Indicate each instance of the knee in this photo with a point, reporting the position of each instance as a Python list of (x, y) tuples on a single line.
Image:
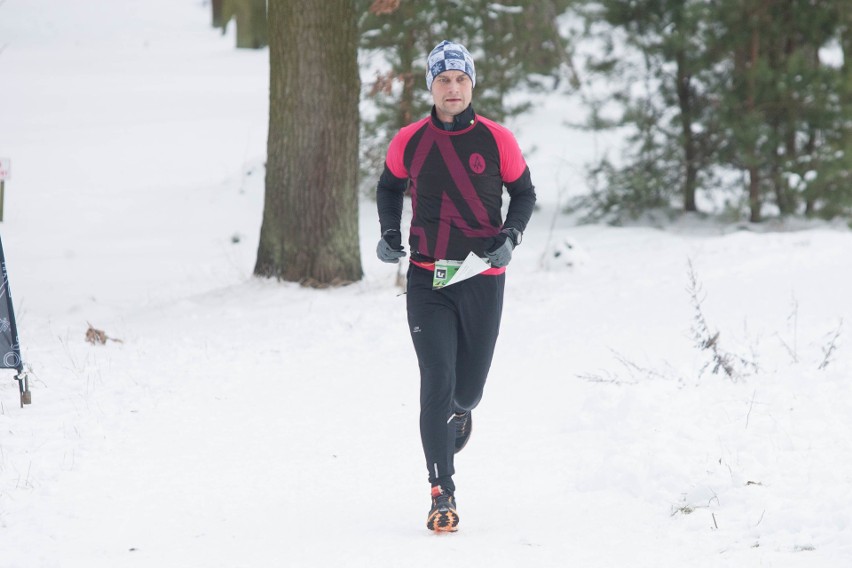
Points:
[(466, 401), (436, 386)]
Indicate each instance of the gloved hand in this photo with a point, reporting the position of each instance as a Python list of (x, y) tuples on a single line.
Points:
[(499, 250), (390, 248)]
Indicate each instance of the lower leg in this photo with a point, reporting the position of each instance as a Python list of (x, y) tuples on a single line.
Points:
[(433, 325)]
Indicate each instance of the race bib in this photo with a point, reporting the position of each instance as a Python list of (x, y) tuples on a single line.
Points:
[(444, 272)]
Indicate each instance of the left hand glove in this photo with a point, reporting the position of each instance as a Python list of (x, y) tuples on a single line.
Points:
[(499, 251), (390, 247)]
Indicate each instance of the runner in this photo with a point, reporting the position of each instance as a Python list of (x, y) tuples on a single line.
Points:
[(456, 164)]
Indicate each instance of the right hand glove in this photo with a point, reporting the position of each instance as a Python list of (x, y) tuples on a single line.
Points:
[(499, 251), (390, 246)]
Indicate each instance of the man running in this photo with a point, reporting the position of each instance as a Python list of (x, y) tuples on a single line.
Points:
[(456, 164)]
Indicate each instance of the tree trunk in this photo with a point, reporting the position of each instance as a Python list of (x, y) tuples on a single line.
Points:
[(753, 151), (754, 194), (218, 21), (406, 102), (252, 26), (684, 96), (251, 20), (310, 218)]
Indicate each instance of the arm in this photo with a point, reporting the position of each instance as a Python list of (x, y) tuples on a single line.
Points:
[(521, 202), (516, 177), (389, 197)]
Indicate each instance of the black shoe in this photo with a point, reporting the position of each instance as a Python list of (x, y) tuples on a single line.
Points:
[(464, 426), (442, 516)]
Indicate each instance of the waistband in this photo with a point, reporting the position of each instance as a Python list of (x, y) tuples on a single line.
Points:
[(431, 267)]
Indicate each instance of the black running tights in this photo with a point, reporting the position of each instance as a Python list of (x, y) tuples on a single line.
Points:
[(454, 330)]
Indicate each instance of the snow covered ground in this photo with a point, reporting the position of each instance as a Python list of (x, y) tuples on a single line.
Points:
[(247, 423)]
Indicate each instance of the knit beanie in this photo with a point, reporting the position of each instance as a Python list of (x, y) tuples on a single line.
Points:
[(448, 55)]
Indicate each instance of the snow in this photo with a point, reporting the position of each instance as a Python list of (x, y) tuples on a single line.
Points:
[(243, 422)]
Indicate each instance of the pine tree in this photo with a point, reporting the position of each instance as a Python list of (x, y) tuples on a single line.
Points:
[(713, 89), (834, 188), (781, 106), (660, 89)]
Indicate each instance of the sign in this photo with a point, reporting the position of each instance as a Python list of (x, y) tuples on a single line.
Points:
[(5, 169)]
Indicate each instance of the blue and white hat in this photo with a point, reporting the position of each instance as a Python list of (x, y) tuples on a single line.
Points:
[(448, 55)]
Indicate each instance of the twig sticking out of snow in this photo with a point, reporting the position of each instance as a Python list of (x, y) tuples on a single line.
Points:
[(708, 340), (829, 349)]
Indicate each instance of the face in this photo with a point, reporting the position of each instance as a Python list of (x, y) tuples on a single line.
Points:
[(452, 91)]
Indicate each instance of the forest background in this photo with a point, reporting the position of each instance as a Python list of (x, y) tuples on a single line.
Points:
[(739, 109)]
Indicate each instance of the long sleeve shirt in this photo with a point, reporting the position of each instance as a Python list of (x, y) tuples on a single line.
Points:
[(456, 174)]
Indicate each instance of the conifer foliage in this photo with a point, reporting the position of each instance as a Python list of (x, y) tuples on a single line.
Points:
[(736, 100)]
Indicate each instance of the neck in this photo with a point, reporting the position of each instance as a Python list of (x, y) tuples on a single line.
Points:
[(454, 122), (444, 117)]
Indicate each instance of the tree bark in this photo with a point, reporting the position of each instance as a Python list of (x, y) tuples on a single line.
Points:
[(252, 25), (217, 14), (251, 21), (310, 220), (690, 157), (752, 151), (754, 194)]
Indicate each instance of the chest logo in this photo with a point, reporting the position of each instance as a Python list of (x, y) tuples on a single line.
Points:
[(476, 163)]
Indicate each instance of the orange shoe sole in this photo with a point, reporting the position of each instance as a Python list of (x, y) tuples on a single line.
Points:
[(443, 521)]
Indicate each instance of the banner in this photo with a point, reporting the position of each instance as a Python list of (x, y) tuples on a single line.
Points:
[(10, 348)]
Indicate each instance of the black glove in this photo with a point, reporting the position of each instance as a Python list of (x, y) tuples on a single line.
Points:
[(390, 246), (499, 250)]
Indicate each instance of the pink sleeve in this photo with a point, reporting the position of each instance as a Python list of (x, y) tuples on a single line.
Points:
[(512, 163), (395, 159)]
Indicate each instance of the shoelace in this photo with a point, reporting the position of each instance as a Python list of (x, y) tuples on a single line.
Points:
[(444, 499)]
